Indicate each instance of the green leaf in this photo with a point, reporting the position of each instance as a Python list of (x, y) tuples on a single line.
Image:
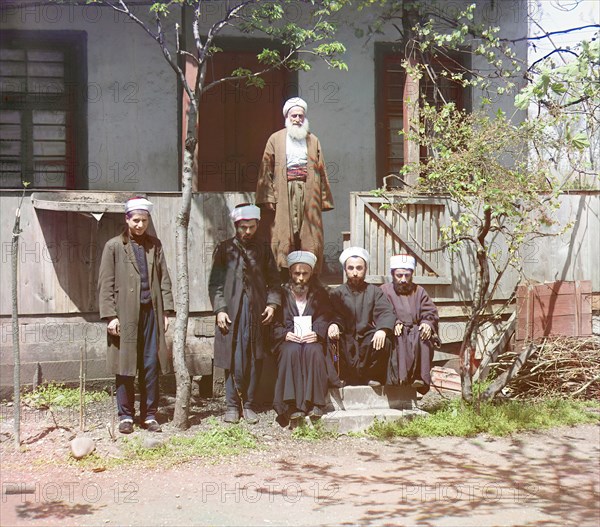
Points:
[(580, 140)]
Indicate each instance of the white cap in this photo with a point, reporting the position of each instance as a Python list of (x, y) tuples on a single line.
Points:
[(354, 251), (294, 101), (304, 257), (402, 261), (245, 212), (138, 203)]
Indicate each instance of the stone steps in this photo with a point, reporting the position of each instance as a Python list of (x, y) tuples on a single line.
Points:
[(355, 408)]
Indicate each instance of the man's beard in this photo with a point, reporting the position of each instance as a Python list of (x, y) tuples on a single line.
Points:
[(299, 289), (404, 289), (297, 132)]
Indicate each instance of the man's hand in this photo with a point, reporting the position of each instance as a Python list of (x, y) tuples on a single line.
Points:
[(333, 332), (267, 315), (269, 206), (309, 338), (378, 340), (166, 320), (114, 327), (425, 331), (398, 329), (223, 321), (290, 336)]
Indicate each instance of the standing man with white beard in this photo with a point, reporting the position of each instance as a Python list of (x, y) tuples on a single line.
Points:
[(293, 183)]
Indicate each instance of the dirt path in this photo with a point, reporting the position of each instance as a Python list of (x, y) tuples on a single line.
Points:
[(548, 478)]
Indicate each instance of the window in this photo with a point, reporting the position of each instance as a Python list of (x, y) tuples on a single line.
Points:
[(43, 138), (390, 104)]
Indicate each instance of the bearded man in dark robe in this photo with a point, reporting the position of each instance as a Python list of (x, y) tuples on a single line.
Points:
[(368, 321), (415, 328), (244, 290), (300, 345)]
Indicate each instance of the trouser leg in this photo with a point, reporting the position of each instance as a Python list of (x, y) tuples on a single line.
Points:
[(148, 363), (125, 396)]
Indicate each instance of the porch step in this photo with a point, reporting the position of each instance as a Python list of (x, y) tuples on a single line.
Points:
[(346, 421), (355, 408), (367, 397)]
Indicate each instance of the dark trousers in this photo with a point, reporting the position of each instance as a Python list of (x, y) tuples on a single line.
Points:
[(147, 359), (241, 380)]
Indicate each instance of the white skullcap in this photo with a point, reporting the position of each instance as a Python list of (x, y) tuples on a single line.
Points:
[(294, 101), (402, 261), (304, 257), (138, 203), (354, 251), (247, 212)]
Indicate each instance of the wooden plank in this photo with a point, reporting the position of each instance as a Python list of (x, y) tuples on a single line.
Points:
[(418, 253)]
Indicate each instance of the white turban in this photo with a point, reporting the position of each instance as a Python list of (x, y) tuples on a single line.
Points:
[(402, 261), (138, 204), (294, 101), (354, 251), (247, 212), (304, 257)]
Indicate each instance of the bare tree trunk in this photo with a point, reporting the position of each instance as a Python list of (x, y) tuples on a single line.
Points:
[(480, 297), (182, 376), (15, 327), (15, 338)]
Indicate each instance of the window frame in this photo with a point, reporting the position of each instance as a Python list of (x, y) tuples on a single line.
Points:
[(74, 46)]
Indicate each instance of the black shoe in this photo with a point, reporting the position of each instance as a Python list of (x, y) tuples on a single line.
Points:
[(126, 426), (250, 416), (232, 415), (152, 425), (316, 413)]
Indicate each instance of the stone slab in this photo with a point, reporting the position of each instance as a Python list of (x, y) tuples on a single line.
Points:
[(346, 421), (367, 397)]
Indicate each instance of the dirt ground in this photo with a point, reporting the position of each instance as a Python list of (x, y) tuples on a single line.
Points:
[(542, 479)]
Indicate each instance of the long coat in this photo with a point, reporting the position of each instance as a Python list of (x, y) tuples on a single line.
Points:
[(228, 278), (119, 285), (272, 188), (411, 358)]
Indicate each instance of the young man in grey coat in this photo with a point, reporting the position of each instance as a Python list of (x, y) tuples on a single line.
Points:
[(134, 296)]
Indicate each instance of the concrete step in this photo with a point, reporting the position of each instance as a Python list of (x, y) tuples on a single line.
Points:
[(372, 398), (346, 421)]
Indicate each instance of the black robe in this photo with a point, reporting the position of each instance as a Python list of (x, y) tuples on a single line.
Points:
[(302, 369), (411, 357), (363, 312), (231, 276)]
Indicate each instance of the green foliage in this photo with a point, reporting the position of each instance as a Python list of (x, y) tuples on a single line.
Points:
[(460, 419), (54, 395), (315, 432), (219, 441)]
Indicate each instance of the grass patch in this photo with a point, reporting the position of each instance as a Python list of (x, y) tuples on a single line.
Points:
[(316, 432), (457, 418), (54, 395), (218, 441)]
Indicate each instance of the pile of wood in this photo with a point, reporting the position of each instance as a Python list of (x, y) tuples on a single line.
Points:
[(558, 367)]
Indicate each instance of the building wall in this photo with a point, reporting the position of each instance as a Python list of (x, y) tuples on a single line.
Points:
[(131, 94)]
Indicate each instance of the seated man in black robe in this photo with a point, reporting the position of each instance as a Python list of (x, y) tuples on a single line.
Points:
[(416, 325), (368, 321), (300, 345)]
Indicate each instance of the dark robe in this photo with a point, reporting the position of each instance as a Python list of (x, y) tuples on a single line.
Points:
[(411, 357), (231, 278), (302, 369), (363, 312)]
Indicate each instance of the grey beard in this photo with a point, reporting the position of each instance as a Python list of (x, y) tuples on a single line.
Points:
[(299, 289), (297, 132)]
